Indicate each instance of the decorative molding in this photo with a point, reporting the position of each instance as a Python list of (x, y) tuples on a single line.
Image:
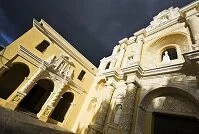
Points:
[(163, 18), (50, 66), (191, 56), (68, 49)]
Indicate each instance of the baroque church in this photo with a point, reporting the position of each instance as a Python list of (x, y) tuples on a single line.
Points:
[(148, 85)]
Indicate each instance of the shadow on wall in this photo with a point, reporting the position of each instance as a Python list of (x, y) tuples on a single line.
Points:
[(12, 122), (177, 101)]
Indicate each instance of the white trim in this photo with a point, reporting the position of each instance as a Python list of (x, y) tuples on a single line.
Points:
[(25, 53), (69, 49)]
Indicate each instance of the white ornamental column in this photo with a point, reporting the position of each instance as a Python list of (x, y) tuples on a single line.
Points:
[(114, 53), (113, 62), (102, 113), (115, 50), (57, 94), (120, 56), (22, 92), (139, 44), (139, 50), (47, 110), (193, 22), (31, 82)]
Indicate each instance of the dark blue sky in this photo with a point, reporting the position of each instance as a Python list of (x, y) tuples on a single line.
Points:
[(92, 26)]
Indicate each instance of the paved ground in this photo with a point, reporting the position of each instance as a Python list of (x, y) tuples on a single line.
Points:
[(12, 122)]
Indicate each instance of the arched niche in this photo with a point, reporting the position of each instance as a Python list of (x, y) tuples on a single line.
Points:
[(165, 102), (37, 96), (100, 85), (154, 50), (169, 54), (62, 107), (11, 78), (92, 105)]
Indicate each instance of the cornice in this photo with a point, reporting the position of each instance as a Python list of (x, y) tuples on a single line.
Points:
[(139, 71), (162, 70), (189, 6), (75, 55), (191, 56), (32, 58), (163, 26)]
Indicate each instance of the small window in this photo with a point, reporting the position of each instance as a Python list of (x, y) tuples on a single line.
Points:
[(170, 53), (42, 46), (108, 65), (81, 75)]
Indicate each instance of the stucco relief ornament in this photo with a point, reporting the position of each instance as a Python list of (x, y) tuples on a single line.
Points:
[(163, 17), (61, 65)]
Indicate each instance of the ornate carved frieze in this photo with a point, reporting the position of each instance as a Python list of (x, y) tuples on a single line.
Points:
[(61, 65), (164, 17)]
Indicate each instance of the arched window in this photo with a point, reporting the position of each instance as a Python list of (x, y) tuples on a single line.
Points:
[(12, 78), (43, 46), (169, 54), (108, 65), (62, 107), (37, 96)]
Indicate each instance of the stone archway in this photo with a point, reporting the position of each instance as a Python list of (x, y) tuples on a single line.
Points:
[(37, 96), (62, 107), (167, 102), (11, 78)]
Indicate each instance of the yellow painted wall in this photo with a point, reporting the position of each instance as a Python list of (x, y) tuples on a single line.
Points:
[(30, 40)]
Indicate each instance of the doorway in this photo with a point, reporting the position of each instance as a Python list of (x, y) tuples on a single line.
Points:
[(174, 124), (37, 96)]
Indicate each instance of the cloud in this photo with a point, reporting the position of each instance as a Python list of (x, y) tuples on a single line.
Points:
[(92, 27), (8, 31)]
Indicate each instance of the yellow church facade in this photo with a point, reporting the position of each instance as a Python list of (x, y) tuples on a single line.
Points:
[(40, 70), (148, 82)]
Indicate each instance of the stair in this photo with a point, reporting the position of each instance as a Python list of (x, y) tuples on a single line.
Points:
[(14, 122)]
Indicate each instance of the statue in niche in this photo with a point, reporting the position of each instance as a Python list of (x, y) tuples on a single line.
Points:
[(166, 58), (117, 114)]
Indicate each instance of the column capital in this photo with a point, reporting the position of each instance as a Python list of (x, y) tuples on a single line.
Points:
[(64, 82), (42, 66), (132, 84)]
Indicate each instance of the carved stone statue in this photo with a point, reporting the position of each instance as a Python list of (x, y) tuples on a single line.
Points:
[(117, 114), (166, 58), (62, 65)]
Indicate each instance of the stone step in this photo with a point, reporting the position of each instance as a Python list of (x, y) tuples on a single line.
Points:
[(15, 122)]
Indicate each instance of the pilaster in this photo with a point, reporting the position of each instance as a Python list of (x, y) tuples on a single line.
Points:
[(98, 125), (121, 52), (127, 95), (193, 22), (55, 96), (23, 91)]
